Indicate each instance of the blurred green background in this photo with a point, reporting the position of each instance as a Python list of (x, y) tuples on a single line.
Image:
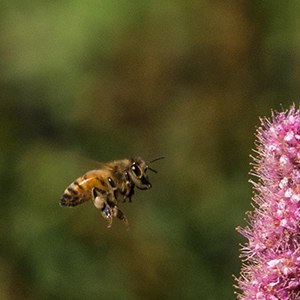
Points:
[(105, 80)]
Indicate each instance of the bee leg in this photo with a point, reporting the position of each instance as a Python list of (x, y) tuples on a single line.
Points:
[(109, 209), (114, 193), (99, 198), (120, 215), (110, 220), (129, 193), (128, 187), (107, 214)]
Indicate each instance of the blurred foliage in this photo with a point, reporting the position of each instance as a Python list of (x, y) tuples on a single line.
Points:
[(105, 80)]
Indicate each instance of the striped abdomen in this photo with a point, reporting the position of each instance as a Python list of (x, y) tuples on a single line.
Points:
[(80, 190)]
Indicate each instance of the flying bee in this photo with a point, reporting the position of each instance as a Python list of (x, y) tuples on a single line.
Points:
[(113, 183)]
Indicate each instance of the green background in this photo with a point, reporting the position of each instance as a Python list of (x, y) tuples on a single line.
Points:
[(104, 80)]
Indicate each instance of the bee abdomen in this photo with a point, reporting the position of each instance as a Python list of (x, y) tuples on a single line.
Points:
[(73, 195), (68, 200)]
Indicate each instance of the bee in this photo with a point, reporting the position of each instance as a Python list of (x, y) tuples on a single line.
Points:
[(113, 183)]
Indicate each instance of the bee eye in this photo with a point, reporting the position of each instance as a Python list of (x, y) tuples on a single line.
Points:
[(111, 182), (136, 170), (126, 176)]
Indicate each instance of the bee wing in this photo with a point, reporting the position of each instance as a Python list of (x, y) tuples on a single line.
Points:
[(89, 162)]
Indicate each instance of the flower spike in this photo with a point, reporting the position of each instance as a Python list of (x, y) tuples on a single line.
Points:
[(271, 255)]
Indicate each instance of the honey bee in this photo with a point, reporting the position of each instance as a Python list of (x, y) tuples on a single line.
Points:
[(113, 183)]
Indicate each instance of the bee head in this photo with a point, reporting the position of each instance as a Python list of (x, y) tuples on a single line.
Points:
[(138, 173)]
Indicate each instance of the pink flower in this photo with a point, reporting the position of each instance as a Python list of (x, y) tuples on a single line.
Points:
[(271, 255)]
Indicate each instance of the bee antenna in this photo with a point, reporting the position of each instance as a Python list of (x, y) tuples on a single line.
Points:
[(155, 159), (154, 171)]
